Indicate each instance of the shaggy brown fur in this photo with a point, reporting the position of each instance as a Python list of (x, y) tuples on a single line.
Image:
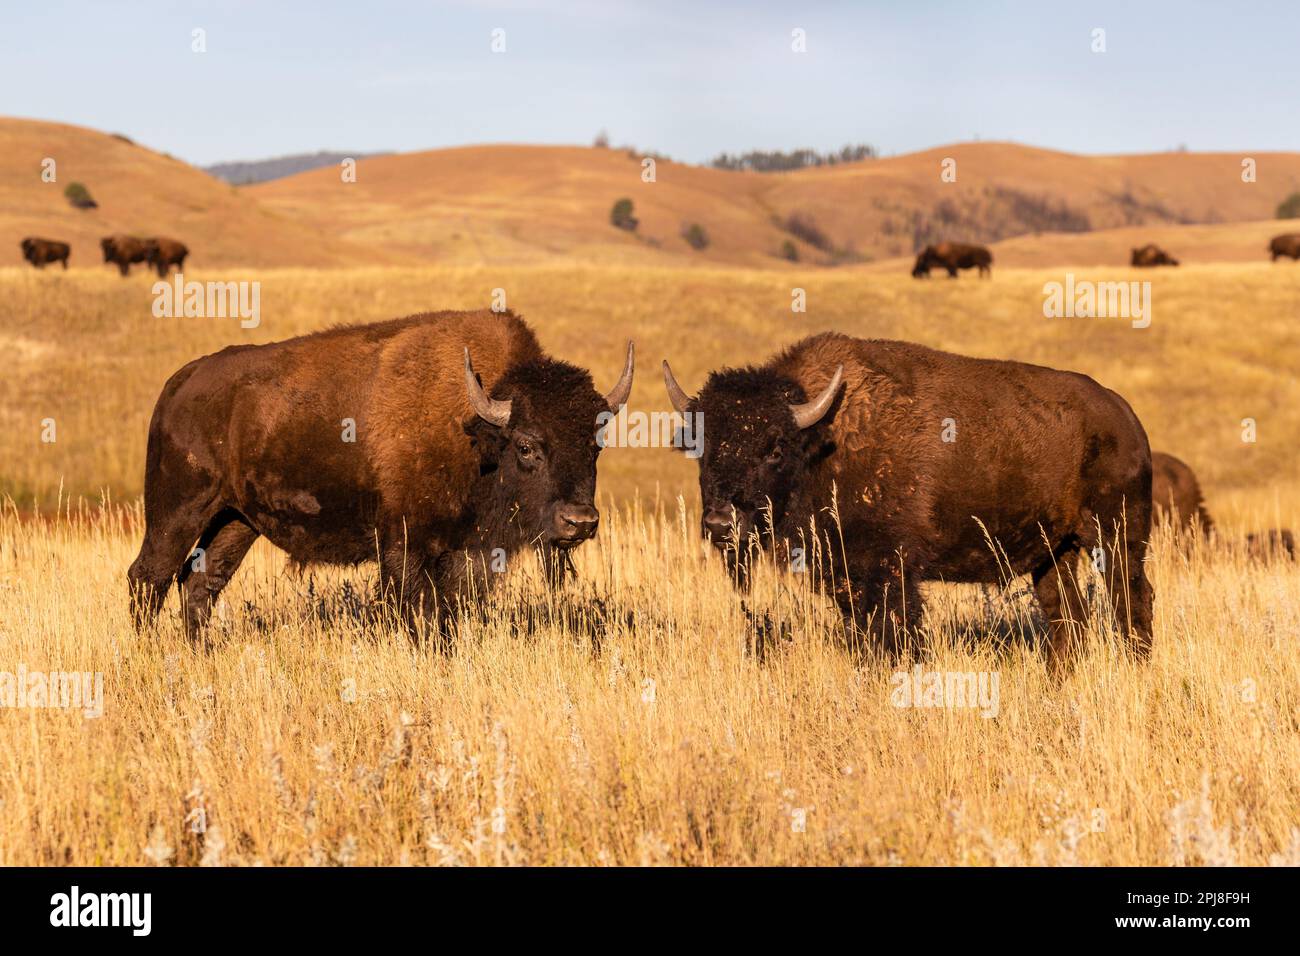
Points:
[(1151, 255), (1039, 458), (250, 441), (164, 253), (953, 256), (1285, 245), (124, 251), (1176, 494), (39, 252)]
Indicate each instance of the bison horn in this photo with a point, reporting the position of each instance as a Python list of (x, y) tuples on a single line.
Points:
[(679, 398), (488, 409), (810, 413), (617, 396)]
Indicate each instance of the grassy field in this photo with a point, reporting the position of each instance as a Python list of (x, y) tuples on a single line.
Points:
[(308, 734)]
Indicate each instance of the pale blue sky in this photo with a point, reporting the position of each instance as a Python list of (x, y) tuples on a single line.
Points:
[(689, 79)]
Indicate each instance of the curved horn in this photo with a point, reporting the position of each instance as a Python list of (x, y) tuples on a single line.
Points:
[(675, 394), (810, 413), (617, 396), (488, 409)]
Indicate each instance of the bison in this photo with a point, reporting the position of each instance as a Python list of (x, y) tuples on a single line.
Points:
[(953, 256), (917, 465), (124, 251), (164, 253), (372, 442), (1274, 543), (1287, 245), (1176, 494), (40, 252), (1151, 255)]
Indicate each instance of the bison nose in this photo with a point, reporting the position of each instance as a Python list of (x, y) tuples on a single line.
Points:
[(577, 522), (718, 525)]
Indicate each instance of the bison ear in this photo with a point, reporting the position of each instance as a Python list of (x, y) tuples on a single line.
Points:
[(488, 440)]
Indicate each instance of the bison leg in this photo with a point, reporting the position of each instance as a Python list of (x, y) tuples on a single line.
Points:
[(1132, 596), (168, 541), (406, 577), (223, 544), (123, 267), (881, 604), (1057, 589)]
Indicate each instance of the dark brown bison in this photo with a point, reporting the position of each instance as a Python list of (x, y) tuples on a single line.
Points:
[(908, 461), (164, 253), (124, 251), (39, 252), (1151, 255), (372, 441), (1274, 543), (1176, 494), (1287, 245), (953, 256)]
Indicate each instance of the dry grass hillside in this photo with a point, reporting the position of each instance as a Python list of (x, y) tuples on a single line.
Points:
[(142, 192), (504, 204)]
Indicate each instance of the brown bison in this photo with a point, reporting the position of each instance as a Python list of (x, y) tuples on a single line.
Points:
[(164, 253), (1176, 494), (953, 256), (372, 441), (1151, 255), (1287, 245), (40, 252), (915, 465), (124, 251), (1274, 543)]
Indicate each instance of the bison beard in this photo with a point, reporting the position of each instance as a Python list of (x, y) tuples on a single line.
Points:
[(1046, 463), (444, 469)]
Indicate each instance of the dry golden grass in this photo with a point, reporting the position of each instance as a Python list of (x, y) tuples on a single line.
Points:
[(308, 736)]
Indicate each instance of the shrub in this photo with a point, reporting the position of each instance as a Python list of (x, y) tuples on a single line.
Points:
[(1289, 208), (79, 196), (789, 251), (804, 227), (621, 215), (601, 141), (695, 236)]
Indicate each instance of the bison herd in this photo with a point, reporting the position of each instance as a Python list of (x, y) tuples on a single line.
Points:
[(953, 256), (443, 443), (156, 252)]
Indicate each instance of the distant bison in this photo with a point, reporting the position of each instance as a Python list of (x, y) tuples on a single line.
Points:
[(164, 253), (372, 441), (1176, 494), (917, 465), (1151, 255), (1287, 245), (953, 256), (1275, 543), (124, 251), (40, 252)]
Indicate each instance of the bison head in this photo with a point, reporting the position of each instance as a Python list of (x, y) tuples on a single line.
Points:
[(761, 435), (108, 246), (536, 439), (922, 267)]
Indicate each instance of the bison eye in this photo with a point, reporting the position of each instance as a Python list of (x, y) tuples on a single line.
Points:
[(774, 456), (528, 451)]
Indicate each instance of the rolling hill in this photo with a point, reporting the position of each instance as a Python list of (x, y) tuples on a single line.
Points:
[(524, 203), (508, 204), (147, 193)]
